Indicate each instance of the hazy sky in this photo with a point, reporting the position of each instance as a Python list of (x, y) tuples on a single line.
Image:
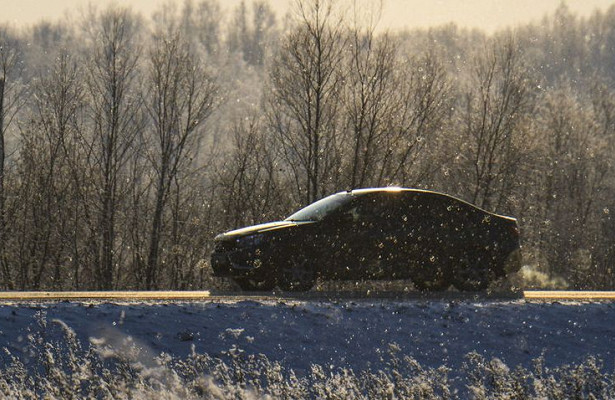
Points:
[(484, 14)]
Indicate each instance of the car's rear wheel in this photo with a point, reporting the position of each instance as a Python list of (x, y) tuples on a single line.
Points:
[(249, 284), (434, 285), (431, 280), (472, 275), (297, 275)]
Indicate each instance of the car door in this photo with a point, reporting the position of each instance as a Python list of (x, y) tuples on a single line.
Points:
[(430, 232), (421, 234), (368, 237), (333, 244)]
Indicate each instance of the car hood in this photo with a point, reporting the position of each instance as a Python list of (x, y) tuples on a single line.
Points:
[(270, 226)]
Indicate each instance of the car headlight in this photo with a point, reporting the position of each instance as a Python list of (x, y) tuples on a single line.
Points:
[(250, 241)]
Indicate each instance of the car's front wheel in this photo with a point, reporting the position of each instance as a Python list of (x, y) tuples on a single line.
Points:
[(430, 279), (430, 285), (249, 284), (296, 275)]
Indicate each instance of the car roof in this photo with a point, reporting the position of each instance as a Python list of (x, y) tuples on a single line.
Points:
[(396, 189)]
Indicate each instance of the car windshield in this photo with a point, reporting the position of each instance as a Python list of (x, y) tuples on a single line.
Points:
[(322, 208)]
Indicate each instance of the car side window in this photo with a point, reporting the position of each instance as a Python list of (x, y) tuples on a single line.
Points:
[(374, 210), (386, 212), (362, 211)]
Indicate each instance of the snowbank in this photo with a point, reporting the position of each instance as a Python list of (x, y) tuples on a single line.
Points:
[(354, 334)]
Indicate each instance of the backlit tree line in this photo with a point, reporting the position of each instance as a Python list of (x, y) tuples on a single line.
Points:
[(127, 143)]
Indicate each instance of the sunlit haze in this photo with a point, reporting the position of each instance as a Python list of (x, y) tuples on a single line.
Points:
[(488, 15)]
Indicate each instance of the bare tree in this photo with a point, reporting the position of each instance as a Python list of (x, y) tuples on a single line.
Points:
[(180, 98), (248, 177), (115, 123), (494, 106), (202, 21), (425, 105), (303, 104), (393, 109), (11, 100), (603, 101), (573, 168), (251, 33), (48, 229), (369, 100)]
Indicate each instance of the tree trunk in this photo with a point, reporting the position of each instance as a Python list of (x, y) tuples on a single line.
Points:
[(152, 261), (6, 274)]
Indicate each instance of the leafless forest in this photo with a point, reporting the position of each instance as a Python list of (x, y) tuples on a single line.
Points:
[(128, 141)]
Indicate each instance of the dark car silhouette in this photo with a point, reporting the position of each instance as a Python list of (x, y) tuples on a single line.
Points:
[(431, 238)]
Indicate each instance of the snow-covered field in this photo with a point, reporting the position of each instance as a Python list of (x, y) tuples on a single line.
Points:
[(357, 335)]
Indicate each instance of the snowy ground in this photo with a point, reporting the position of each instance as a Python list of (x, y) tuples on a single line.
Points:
[(355, 334)]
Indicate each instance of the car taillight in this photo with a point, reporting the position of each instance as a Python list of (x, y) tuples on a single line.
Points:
[(515, 233), (514, 228)]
